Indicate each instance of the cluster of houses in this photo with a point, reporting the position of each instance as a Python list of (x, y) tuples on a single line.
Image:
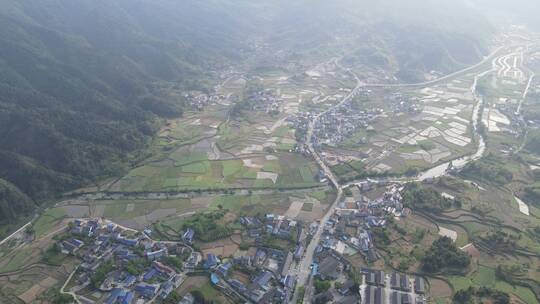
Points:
[(349, 229), (300, 123), (198, 100), (264, 273), (342, 123), (143, 272), (402, 104), (98, 244), (265, 269), (266, 101), (399, 288), (258, 278), (328, 265)]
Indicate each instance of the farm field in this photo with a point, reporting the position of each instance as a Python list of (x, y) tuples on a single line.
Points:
[(414, 129), (220, 150), (237, 205)]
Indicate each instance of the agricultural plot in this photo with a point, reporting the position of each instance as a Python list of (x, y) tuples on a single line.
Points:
[(488, 218), (48, 220), (236, 205), (195, 171), (314, 89), (502, 119), (137, 214), (30, 268), (203, 285), (219, 149), (29, 285), (413, 130), (484, 276)]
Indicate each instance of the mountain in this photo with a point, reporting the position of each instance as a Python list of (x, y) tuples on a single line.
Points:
[(409, 38), (517, 12), (77, 84), (406, 38), (80, 80)]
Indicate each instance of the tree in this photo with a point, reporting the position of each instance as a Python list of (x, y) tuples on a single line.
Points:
[(301, 291), (30, 229), (101, 273), (173, 298), (444, 254), (174, 262), (463, 296), (63, 299), (199, 298), (422, 198), (321, 286)]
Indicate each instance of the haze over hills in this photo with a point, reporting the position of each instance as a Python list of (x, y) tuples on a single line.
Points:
[(79, 90), (269, 151), (76, 85)]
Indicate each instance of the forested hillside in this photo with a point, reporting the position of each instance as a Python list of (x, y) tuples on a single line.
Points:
[(76, 86), (80, 80)]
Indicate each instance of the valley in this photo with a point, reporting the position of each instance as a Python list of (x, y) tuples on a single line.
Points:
[(297, 166)]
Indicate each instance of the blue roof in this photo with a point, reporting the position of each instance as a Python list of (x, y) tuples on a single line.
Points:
[(128, 298), (224, 268), (103, 237), (289, 281), (299, 251), (263, 278), (150, 274), (260, 253), (211, 260), (76, 242), (146, 290), (129, 242), (121, 251), (167, 284), (315, 269), (115, 294), (189, 234), (237, 284), (214, 278), (129, 280)]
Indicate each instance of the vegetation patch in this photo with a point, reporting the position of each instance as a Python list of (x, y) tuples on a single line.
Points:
[(421, 198), (489, 169), (307, 207), (207, 227), (442, 255), (48, 220)]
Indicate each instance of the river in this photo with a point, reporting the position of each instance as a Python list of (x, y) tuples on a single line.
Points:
[(459, 163)]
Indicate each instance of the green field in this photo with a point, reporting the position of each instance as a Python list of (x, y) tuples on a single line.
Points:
[(485, 277), (17, 261), (48, 220), (123, 209), (198, 173)]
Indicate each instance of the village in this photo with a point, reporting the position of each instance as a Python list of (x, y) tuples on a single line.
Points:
[(350, 231), (122, 265)]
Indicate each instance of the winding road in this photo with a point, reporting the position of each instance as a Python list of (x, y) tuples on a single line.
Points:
[(303, 268)]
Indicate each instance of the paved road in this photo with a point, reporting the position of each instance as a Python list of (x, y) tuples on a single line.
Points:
[(303, 270), (15, 233), (443, 78)]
